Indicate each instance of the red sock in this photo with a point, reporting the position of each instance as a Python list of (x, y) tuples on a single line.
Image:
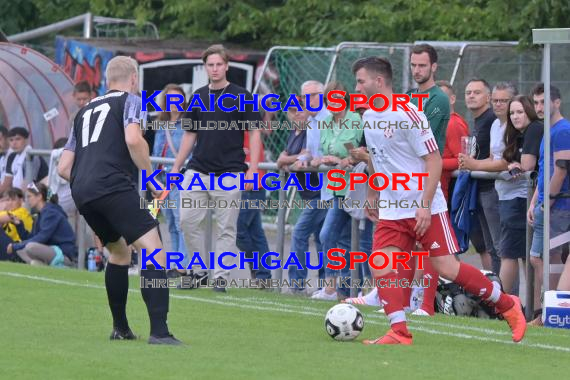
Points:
[(390, 295), (473, 281), (407, 274), (430, 277)]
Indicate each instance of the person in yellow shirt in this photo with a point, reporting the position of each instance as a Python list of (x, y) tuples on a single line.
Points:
[(16, 220)]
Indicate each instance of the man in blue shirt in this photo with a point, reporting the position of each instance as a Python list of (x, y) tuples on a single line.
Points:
[(559, 183)]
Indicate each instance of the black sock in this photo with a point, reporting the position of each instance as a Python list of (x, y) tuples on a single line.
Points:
[(117, 285), (156, 300)]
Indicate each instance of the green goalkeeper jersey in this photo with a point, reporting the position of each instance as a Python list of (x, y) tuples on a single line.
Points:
[(436, 109)]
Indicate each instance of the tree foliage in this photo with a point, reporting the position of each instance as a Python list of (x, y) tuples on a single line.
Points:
[(264, 23)]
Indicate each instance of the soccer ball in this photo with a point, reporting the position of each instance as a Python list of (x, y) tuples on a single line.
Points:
[(344, 322)]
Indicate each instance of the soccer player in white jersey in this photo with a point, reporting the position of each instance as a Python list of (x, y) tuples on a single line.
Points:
[(414, 150)]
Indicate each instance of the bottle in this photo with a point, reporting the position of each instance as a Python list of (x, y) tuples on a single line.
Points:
[(91, 263), (99, 264)]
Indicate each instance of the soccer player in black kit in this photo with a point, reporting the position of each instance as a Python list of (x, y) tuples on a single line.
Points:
[(100, 160)]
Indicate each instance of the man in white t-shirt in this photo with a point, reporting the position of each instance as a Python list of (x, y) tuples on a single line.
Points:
[(4, 151), (15, 175), (414, 150)]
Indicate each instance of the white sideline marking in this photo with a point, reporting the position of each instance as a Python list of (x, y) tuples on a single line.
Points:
[(308, 311), (415, 321)]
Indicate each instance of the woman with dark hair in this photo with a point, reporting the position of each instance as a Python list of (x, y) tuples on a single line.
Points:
[(51, 241), (166, 144), (523, 125), (522, 138), (523, 135)]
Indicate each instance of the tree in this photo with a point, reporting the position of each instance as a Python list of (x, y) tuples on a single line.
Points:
[(265, 23)]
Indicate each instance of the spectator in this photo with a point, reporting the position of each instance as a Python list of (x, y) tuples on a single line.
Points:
[(82, 93), (311, 219), (60, 186), (315, 91), (560, 208), (505, 190), (166, 145), (477, 98), (14, 214), (335, 145), (16, 162), (538, 100), (423, 64), (16, 222), (4, 151), (361, 156), (250, 235), (52, 241), (564, 282), (522, 147), (456, 129), (209, 158)]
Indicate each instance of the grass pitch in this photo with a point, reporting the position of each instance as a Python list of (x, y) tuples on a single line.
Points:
[(56, 323)]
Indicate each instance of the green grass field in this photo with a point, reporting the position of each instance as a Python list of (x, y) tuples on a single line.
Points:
[(55, 325)]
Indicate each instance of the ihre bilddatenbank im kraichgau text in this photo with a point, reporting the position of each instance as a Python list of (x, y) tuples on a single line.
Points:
[(271, 182)]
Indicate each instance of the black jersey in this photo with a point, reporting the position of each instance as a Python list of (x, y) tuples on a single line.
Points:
[(102, 162), (221, 150)]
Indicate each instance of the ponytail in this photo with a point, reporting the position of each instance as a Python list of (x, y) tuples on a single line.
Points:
[(52, 197)]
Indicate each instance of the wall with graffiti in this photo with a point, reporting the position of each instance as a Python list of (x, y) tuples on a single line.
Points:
[(83, 62)]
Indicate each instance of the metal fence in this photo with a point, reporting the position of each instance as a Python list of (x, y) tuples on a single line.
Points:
[(286, 67)]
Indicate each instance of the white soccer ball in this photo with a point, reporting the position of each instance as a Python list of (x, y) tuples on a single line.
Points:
[(344, 322)]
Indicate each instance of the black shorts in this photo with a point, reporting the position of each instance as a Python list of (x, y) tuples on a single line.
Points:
[(118, 215), (513, 228), (476, 235)]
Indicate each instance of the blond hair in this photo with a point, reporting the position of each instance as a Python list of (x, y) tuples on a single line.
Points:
[(120, 68)]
